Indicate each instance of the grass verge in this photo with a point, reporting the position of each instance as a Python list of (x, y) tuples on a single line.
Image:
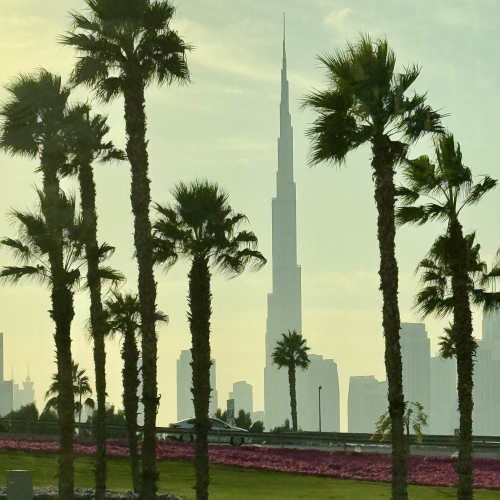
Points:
[(227, 483)]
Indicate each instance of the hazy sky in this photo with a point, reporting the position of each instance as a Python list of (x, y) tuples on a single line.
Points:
[(224, 127)]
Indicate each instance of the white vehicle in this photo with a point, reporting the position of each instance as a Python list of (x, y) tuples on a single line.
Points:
[(213, 436)]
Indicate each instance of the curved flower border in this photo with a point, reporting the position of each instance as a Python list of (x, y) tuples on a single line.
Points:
[(423, 470)]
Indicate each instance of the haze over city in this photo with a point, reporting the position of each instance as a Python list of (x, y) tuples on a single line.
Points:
[(224, 127)]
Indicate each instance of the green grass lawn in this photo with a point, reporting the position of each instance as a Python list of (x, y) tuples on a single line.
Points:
[(227, 483)]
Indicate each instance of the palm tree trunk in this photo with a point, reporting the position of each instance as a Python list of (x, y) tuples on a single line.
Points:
[(88, 197), (200, 311), (130, 372), (462, 320), (135, 124), (293, 396), (385, 192), (62, 314)]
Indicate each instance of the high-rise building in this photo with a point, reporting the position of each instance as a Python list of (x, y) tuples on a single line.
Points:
[(321, 372), (1, 357), (6, 387), (486, 391), (284, 307), (185, 408), (416, 356), (24, 396), (366, 402), (243, 397), (258, 415), (443, 414)]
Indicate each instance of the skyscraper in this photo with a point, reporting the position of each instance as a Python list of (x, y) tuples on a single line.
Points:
[(243, 397), (185, 408), (284, 307), (486, 391), (321, 372), (366, 402), (6, 387), (24, 396), (416, 355), (443, 413)]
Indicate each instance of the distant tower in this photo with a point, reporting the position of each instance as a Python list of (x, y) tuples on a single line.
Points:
[(243, 397), (366, 403), (486, 391), (1, 357), (284, 303), (321, 372), (185, 408), (443, 415), (6, 387), (416, 357)]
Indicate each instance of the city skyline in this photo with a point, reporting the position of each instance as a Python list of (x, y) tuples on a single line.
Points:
[(224, 127)]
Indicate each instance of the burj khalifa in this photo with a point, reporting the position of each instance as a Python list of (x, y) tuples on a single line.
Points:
[(284, 304)]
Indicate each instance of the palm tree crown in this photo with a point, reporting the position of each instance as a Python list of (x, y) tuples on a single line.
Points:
[(33, 113), (34, 243), (366, 100), (447, 184), (126, 41), (291, 351), (81, 390), (203, 225)]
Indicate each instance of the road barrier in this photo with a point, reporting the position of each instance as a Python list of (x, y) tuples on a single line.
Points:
[(282, 438)]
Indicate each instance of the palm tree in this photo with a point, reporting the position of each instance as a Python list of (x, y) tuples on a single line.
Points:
[(123, 316), (33, 114), (81, 391), (84, 135), (291, 352), (365, 103), (201, 227), (123, 47), (33, 248), (417, 422), (453, 262)]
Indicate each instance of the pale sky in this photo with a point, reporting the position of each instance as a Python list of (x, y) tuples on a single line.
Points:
[(224, 127)]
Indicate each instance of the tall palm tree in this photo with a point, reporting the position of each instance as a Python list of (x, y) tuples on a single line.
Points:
[(81, 391), (365, 103), (33, 114), (123, 47), (291, 352), (448, 187), (123, 316), (202, 228), (85, 137)]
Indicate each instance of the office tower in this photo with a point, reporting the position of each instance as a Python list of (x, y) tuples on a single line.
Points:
[(321, 372), (24, 396), (491, 327), (416, 356), (243, 397), (284, 303), (443, 414), (6, 387), (486, 391), (185, 408), (1, 358), (366, 402), (258, 415)]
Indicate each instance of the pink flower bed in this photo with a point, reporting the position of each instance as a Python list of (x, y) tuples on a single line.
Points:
[(429, 471)]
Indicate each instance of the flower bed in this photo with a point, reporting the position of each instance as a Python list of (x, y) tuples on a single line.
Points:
[(429, 471)]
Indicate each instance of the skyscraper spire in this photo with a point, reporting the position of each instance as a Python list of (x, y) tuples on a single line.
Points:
[(284, 303)]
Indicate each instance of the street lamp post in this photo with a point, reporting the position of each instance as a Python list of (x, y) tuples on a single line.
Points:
[(319, 406)]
